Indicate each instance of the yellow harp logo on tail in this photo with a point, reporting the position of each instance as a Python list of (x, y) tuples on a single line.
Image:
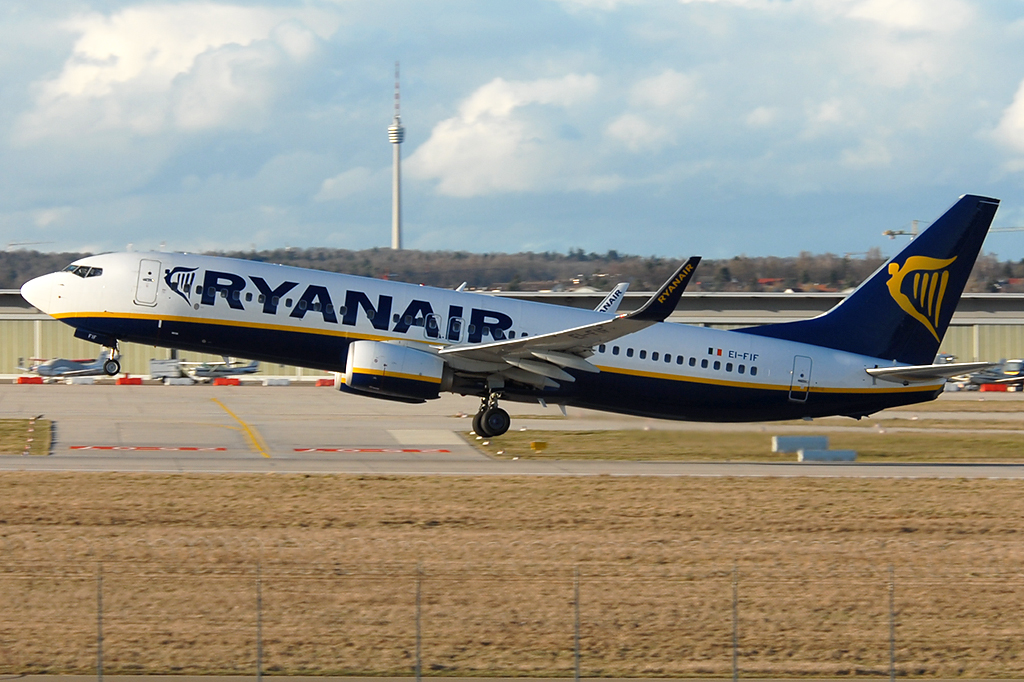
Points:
[(920, 296)]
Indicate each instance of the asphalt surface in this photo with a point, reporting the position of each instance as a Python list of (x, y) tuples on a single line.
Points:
[(319, 430)]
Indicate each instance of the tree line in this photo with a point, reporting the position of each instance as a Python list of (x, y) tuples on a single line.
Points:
[(552, 270)]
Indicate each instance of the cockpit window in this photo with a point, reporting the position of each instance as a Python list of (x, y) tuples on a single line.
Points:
[(84, 270)]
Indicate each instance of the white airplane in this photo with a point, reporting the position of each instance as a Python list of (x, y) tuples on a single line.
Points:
[(409, 343), (203, 371), (105, 364)]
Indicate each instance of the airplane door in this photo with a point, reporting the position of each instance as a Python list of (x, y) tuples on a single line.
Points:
[(801, 383), (149, 273)]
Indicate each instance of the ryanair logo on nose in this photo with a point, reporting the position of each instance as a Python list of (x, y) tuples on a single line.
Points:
[(918, 287)]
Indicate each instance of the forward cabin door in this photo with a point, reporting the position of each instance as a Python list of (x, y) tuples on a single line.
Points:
[(149, 273), (801, 383)]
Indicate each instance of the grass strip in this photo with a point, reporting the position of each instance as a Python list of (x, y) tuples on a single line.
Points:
[(25, 436)]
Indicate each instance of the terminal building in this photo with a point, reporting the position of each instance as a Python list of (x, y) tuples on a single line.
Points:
[(986, 327)]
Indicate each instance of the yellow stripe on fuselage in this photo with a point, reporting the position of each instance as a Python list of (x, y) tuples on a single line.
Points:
[(604, 368)]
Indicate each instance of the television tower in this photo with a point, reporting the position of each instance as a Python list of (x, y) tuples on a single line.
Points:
[(396, 133)]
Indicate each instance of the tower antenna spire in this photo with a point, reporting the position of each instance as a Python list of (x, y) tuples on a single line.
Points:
[(396, 133)]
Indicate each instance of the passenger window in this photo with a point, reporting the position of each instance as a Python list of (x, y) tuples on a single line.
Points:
[(302, 304), (329, 308), (679, 359), (342, 310), (654, 356), (223, 293), (472, 329), (753, 371), (211, 291), (704, 363), (408, 319), (248, 297), (275, 301), (728, 367), (741, 369), (316, 306), (600, 349), (236, 294), (629, 352), (643, 355), (431, 326), (693, 362), (396, 318), (717, 365), (199, 288), (511, 334), (287, 303), (615, 350)]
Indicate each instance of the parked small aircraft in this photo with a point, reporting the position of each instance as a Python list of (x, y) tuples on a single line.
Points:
[(105, 364), (203, 371)]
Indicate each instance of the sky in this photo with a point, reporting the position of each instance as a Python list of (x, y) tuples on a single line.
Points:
[(669, 128)]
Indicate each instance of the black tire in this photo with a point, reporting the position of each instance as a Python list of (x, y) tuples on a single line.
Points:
[(112, 367), (478, 427), (495, 421)]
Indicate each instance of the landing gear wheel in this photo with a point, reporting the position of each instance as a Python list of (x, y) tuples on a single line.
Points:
[(495, 421), (112, 367), (478, 428)]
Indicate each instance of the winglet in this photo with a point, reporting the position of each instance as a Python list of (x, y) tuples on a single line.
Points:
[(661, 305)]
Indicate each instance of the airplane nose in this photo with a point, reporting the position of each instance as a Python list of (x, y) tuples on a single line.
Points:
[(38, 291)]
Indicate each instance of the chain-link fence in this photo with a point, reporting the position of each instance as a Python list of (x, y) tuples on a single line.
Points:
[(203, 610)]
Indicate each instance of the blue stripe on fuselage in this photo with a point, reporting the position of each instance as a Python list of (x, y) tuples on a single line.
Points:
[(613, 391)]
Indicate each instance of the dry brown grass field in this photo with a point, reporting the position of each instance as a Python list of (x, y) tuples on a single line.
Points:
[(340, 557), (887, 440)]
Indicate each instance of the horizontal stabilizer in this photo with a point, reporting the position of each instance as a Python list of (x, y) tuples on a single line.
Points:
[(927, 373)]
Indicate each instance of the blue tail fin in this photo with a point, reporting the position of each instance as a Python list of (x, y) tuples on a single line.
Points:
[(902, 311)]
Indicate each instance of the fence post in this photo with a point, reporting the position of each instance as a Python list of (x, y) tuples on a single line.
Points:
[(259, 621), (735, 625), (419, 638), (99, 622), (892, 625), (576, 621)]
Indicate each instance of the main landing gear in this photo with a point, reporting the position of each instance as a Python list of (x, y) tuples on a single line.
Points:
[(491, 420)]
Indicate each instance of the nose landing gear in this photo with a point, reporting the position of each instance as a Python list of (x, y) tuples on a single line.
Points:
[(112, 365), (491, 420)]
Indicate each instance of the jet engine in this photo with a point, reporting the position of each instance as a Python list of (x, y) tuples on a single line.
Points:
[(395, 371)]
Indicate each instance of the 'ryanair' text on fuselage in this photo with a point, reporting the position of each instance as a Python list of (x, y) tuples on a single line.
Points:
[(316, 300)]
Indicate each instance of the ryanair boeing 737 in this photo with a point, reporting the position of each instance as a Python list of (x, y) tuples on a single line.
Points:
[(409, 343)]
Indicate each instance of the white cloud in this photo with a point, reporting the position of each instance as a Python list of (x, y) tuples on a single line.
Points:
[(870, 154), (150, 67), (504, 139), (1010, 130), (668, 90), (762, 117), (352, 182), (931, 16), (637, 133)]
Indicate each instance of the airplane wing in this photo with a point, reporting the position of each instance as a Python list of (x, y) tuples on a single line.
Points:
[(546, 354), (924, 373)]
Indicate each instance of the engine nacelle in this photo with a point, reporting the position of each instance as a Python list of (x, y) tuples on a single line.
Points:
[(388, 369)]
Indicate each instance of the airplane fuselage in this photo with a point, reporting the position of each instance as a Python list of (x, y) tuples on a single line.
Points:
[(309, 318)]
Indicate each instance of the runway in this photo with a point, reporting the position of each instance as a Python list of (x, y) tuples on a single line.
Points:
[(205, 429)]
